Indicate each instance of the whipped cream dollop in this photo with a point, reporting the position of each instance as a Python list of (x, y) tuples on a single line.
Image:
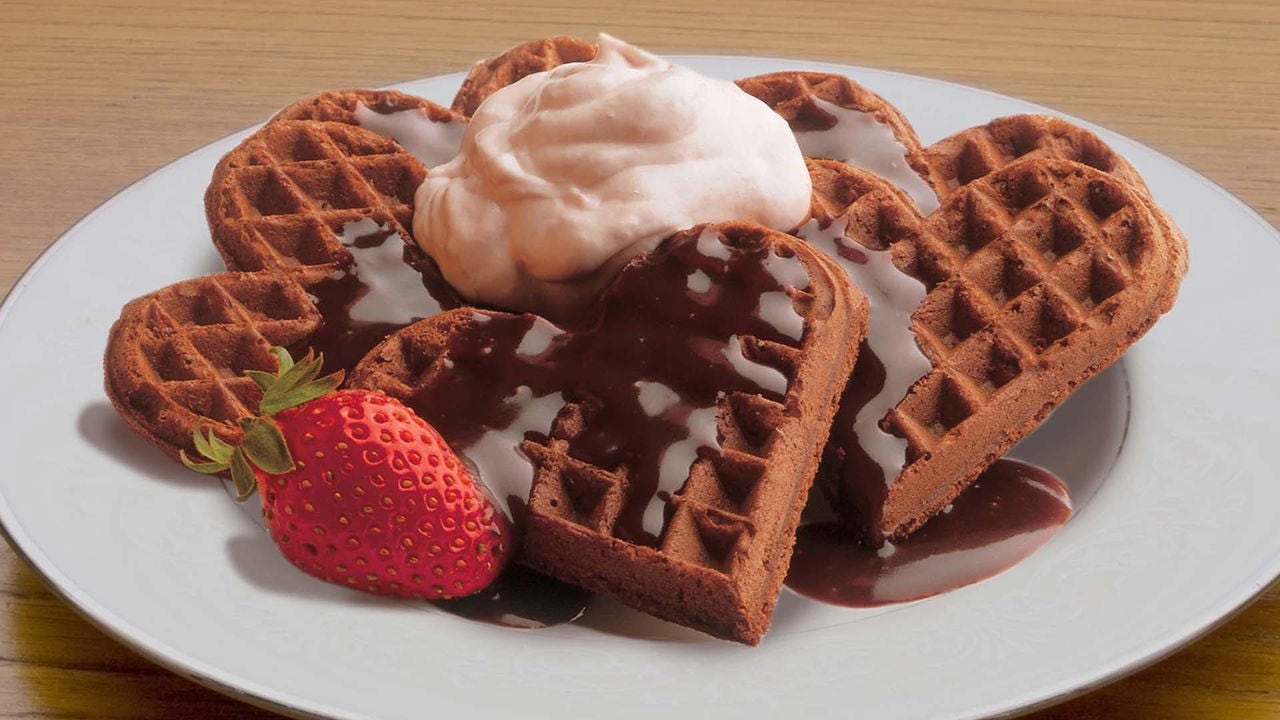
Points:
[(567, 174)]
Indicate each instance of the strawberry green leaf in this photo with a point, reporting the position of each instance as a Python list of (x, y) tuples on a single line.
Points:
[(311, 366), (204, 449), (211, 447), (299, 384), (280, 395), (263, 379), (206, 468), (283, 358), (242, 476), (264, 445), (298, 395), (321, 386), (289, 378), (221, 449), (289, 373)]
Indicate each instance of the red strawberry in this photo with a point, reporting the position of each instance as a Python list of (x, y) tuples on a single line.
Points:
[(358, 490)]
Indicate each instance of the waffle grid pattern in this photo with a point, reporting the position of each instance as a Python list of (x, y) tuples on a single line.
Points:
[(177, 357), (279, 201), (718, 506), (1038, 275), (951, 163), (790, 94), (984, 149), (728, 531), (1033, 256), (340, 106)]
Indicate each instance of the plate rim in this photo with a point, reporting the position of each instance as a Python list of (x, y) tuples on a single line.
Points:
[(155, 650)]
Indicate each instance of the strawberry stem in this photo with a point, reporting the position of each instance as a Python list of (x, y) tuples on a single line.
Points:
[(296, 384), (263, 445)]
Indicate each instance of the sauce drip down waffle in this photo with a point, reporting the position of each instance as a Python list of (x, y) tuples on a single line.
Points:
[(724, 351)]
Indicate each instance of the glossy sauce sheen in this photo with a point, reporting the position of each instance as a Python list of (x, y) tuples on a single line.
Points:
[(657, 356), (521, 598), (864, 454), (1009, 512), (344, 339), (646, 372)]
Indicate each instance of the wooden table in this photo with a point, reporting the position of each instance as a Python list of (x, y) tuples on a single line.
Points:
[(96, 95)]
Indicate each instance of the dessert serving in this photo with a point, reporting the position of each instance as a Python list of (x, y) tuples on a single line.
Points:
[(601, 326)]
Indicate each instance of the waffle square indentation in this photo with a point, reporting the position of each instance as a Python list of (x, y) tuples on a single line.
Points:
[(1042, 317), (952, 312), (939, 403), (299, 240), (1001, 273), (396, 182), (330, 187)]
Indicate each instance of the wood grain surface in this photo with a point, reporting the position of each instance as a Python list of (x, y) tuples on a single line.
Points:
[(96, 94)]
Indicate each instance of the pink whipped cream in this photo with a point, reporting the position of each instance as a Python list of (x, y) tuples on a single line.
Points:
[(567, 174)]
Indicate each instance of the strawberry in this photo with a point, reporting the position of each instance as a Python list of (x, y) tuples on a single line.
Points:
[(358, 490)]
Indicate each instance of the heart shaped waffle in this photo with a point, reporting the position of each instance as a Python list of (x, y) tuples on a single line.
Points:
[(285, 199), (1039, 275), (277, 200), (293, 205), (725, 349), (945, 454), (176, 358)]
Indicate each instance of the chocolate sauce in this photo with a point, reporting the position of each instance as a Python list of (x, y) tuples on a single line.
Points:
[(828, 130), (522, 598), (375, 293), (647, 374), (857, 482), (641, 380), (1005, 515), (341, 340), (874, 452)]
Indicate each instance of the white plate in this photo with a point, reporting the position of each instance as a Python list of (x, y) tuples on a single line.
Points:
[(1176, 440)]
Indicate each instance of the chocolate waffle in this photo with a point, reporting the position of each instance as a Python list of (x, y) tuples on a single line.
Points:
[(809, 101), (725, 349), (427, 131), (1039, 275), (176, 358), (278, 200), (340, 106), (979, 151), (945, 165), (489, 76), (292, 206)]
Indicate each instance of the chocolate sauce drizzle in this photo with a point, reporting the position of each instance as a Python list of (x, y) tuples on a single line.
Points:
[(342, 338), (521, 598), (642, 378), (1009, 512), (640, 384), (861, 483)]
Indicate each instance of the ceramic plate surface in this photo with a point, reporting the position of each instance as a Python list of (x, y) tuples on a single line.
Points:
[(1167, 455)]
